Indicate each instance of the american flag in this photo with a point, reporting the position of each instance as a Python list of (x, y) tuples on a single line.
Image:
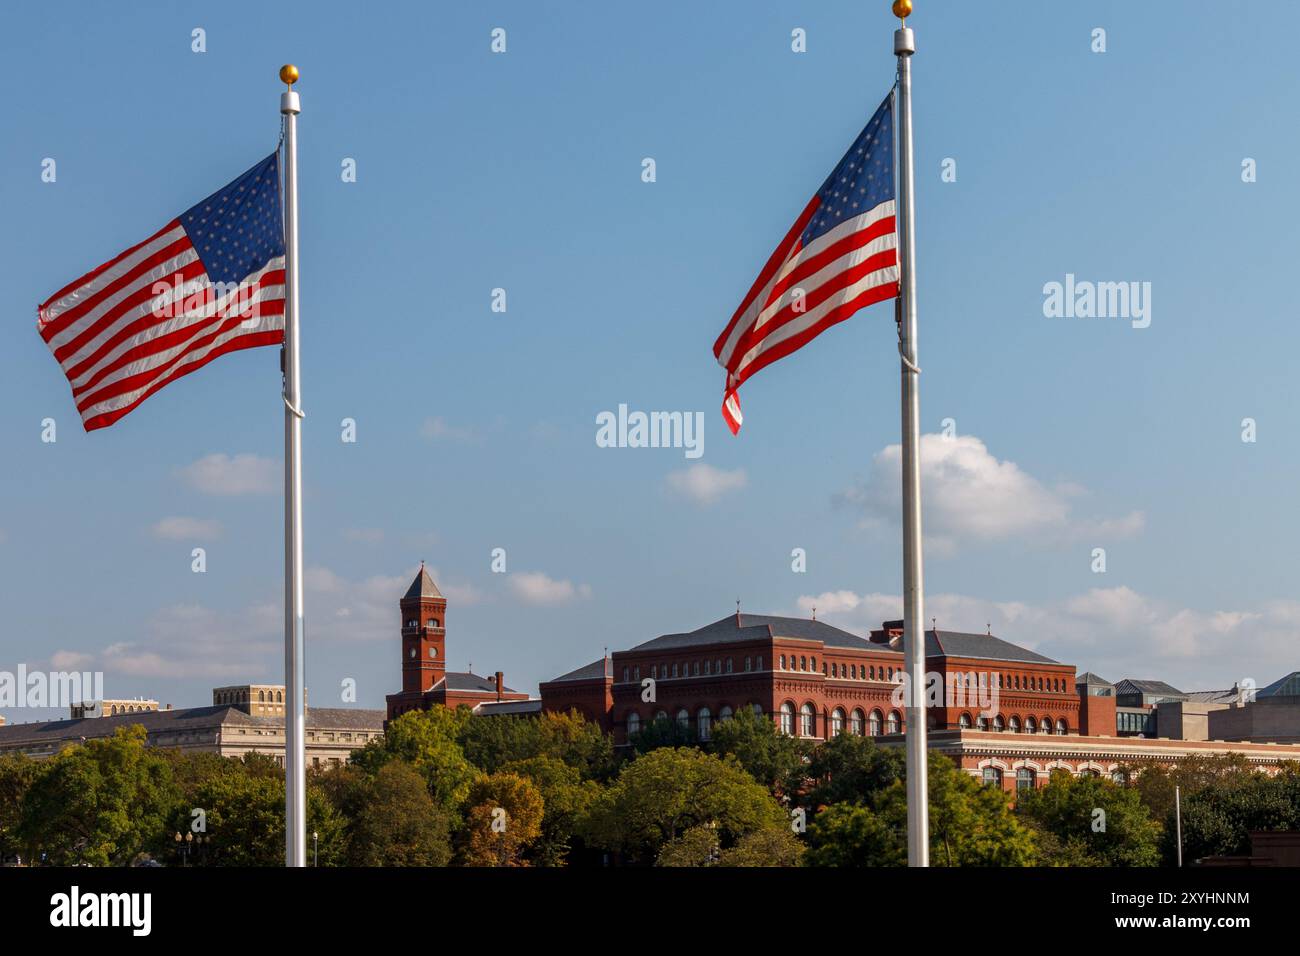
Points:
[(209, 282), (840, 255)]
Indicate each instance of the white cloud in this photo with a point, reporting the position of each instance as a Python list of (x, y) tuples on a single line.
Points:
[(534, 587), (1115, 632), (705, 484), (244, 474), (194, 641), (70, 660), (351, 611), (970, 496), (437, 428), (182, 529)]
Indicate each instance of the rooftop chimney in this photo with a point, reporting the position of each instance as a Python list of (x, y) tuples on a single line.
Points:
[(501, 683)]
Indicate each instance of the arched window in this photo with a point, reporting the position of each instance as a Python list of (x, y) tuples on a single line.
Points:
[(747, 667), (724, 713), (964, 721), (853, 671), (1025, 778), (803, 663), (892, 723), (433, 622), (633, 723), (782, 662), (873, 724), (279, 694), (1119, 776), (757, 709), (814, 663), (1031, 725), (261, 697), (999, 724), (992, 777), (1045, 725), (661, 716), (835, 670), (1061, 727), (855, 723), (873, 671), (704, 723), (1013, 725), (837, 722), (981, 723), (684, 719), (807, 721), (758, 662), (787, 718)]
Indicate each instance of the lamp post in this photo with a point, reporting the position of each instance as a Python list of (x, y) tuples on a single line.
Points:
[(314, 838)]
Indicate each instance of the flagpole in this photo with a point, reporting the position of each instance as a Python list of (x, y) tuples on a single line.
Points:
[(295, 793), (918, 817)]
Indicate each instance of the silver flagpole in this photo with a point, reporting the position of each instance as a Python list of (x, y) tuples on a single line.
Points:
[(918, 816), (295, 793)]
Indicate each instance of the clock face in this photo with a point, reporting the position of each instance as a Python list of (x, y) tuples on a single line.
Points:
[(413, 652), (433, 652)]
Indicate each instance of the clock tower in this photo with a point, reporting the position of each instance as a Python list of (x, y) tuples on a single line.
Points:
[(424, 635)]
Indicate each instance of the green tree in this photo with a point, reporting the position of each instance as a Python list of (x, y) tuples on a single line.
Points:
[(851, 769), (662, 732), (659, 796), (774, 759), (428, 740), (17, 772), (764, 848), (397, 823), (1067, 808), (698, 846), (566, 798), (1218, 819), (848, 834), (102, 803)]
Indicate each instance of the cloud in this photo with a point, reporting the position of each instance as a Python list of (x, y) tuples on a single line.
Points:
[(1115, 631), (534, 587), (225, 475), (970, 496), (344, 610), (182, 529), (437, 428), (705, 484), (70, 660), (195, 641)]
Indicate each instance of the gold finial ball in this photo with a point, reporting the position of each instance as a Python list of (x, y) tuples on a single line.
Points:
[(902, 8), (289, 73)]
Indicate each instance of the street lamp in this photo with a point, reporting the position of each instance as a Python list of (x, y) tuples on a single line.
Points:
[(314, 837)]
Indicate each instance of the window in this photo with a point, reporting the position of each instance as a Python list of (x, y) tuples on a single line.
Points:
[(674, 670), (729, 663), (837, 722), (835, 670), (981, 723), (814, 663), (1031, 725), (1061, 727), (873, 724), (433, 622), (747, 667), (414, 623), (803, 663), (853, 671), (873, 671), (696, 669), (855, 723), (892, 724), (787, 718), (704, 723), (758, 666), (654, 671), (1013, 725), (684, 719), (706, 668), (661, 716), (757, 709), (717, 667), (964, 721), (1045, 725), (633, 723), (1090, 772), (807, 721), (636, 673), (1025, 778), (625, 675), (1118, 776), (992, 777), (998, 724), (261, 697), (724, 713)]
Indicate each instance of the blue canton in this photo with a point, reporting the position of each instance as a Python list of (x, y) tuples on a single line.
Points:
[(863, 179), (238, 229)]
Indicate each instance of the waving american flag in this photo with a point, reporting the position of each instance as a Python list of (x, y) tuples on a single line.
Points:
[(840, 255), (209, 282)]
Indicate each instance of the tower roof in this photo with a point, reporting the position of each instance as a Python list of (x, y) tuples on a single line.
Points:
[(422, 587)]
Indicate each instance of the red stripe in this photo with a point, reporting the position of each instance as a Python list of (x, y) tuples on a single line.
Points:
[(838, 314), (140, 379), (838, 282), (125, 281), (253, 340), (161, 343), (72, 349), (149, 320), (75, 283), (772, 266), (726, 412), (842, 247)]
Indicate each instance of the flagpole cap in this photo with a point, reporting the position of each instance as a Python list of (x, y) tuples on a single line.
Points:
[(288, 74), (902, 9)]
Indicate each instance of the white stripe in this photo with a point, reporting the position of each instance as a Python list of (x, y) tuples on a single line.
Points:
[(177, 321), (808, 319), (121, 401), (164, 270), (106, 278), (849, 226), (851, 259), (204, 325)]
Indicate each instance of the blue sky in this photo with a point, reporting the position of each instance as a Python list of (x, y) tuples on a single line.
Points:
[(476, 429)]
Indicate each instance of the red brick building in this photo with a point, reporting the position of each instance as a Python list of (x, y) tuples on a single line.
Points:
[(816, 680), (425, 678)]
